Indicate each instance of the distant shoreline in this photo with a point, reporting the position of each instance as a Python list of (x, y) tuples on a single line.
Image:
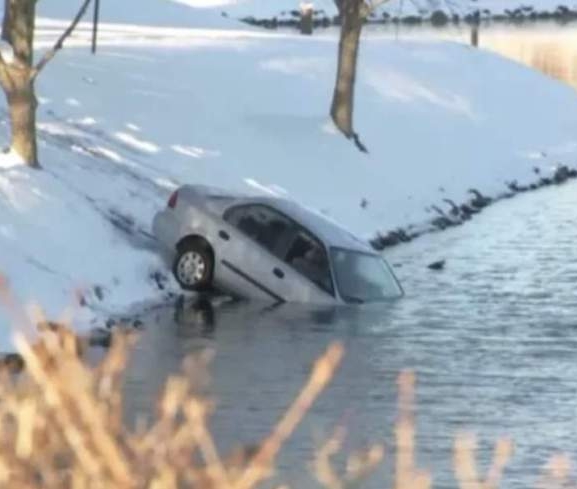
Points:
[(438, 18)]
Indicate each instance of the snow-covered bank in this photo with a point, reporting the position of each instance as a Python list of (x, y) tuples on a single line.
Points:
[(120, 130)]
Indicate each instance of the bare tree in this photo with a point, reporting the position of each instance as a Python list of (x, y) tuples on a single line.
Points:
[(18, 73), (353, 14)]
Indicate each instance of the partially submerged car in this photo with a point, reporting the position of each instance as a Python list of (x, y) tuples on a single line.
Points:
[(268, 248)]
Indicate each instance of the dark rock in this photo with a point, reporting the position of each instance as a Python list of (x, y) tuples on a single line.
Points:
[(545, 181), (437, 265), (99, 292), (515, 187), (455, 210), (137, 324), (110, 323), (467, 211), (100, 337), (479, 200), (561, 175), (443, 221), (390, 239)]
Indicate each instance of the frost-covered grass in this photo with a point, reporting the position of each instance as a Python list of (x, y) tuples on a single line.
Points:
[(160, 106)]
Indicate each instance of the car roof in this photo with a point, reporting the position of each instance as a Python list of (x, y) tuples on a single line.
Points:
[(328, 231)]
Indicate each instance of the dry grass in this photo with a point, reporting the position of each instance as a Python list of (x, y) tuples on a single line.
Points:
[(61, 426)]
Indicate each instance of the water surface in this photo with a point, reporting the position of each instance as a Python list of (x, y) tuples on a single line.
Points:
[(492, 339)]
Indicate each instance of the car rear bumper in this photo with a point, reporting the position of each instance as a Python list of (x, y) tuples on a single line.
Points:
[(165, 228)]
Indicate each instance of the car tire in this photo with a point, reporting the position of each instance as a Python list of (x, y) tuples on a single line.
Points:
[(193, 266)]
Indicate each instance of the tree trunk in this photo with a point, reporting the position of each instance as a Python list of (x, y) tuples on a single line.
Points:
[(22, 107), (17, 75), (17, 80), (343, 97)]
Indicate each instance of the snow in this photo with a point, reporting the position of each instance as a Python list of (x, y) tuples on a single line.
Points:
[(6, 52), (162, 105)]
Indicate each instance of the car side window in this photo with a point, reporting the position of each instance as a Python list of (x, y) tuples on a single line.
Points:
[(308, 256), (260, 223)]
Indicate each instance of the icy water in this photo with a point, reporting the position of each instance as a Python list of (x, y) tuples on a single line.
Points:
[(492, 339)]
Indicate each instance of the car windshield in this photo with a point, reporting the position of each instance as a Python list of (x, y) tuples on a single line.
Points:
[(362, 277)]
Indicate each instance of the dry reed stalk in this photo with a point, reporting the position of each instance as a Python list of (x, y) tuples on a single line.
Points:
[(61, 422), (359, 465), (465, 463), (323, 371), (406, 474), (557, 473)]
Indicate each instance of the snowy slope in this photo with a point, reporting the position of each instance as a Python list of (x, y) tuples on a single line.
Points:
[(195, 13), (159, 107)]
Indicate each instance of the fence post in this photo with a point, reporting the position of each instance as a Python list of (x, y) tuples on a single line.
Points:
[(95, 25), (475, 29)]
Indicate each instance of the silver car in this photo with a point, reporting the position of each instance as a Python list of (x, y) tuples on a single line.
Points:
[(267, 248)]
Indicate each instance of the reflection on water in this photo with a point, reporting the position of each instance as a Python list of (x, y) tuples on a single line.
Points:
[(546, 46), (492, 339)]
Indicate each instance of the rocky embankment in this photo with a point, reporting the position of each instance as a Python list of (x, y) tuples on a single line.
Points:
[(450, 214)]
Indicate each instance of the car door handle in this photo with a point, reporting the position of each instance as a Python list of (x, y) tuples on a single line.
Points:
[(278, 272), (224, 235)]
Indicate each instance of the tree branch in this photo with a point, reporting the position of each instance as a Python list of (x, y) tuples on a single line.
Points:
[(369, 6), (58, 46), (373, 4)]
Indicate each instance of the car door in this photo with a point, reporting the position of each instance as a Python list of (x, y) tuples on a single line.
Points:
[(307, 269), (248, 262)]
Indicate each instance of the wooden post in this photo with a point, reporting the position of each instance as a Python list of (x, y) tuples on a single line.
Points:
[(475, 29), (95, 25), (307, 18)]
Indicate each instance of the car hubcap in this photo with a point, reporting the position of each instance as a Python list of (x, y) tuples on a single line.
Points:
[(191, 268)]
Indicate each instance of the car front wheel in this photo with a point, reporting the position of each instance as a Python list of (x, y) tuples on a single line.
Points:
[(193, 266)]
